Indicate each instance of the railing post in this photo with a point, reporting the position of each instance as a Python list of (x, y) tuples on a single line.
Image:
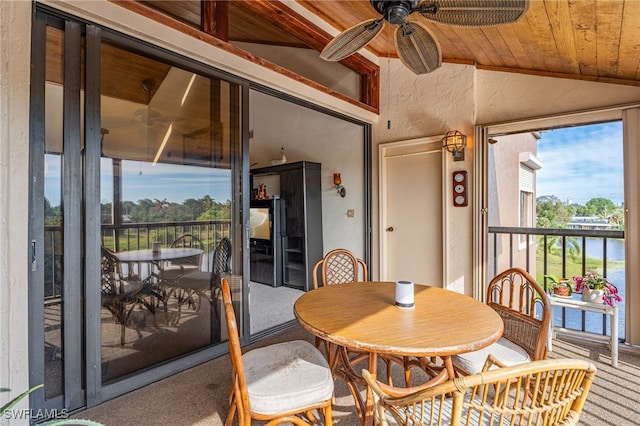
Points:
[(566, 236)]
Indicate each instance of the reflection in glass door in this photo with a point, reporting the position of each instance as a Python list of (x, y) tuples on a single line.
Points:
[(166, 191), (134, 214)]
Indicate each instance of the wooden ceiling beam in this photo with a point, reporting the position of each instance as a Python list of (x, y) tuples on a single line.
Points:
[(313, 36), (215, 18), (370, 97)]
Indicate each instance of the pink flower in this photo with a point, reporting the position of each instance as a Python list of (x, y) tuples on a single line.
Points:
[(594, 282)]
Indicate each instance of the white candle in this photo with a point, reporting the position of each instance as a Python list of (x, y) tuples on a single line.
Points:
[(404, 294)]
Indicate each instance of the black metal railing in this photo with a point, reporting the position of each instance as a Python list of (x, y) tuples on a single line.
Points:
[(130, 236), (542, 251)]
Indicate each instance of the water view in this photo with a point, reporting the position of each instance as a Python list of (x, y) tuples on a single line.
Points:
[(596, 323)]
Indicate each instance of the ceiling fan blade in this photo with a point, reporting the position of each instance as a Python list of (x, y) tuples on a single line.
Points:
[(351, 40), (115, 122), (418, 48), (474, 13)]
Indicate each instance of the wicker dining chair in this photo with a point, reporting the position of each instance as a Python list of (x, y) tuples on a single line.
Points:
[(541, 393), (178, 267), (192, 287), (525, 309), (339, 266), (276, 383), (121, 294)]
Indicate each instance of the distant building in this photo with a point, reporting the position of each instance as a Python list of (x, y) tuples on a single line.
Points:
[(512, 199), (589, 222)]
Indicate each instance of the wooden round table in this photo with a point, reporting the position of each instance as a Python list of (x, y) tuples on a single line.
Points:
[(363, 316)]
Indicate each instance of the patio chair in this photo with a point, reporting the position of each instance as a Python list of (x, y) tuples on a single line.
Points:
[(178, 267), (204, 284), (525, 309), (341, 266), (337, 267), (120, 295), (276, 383), (542, 393)]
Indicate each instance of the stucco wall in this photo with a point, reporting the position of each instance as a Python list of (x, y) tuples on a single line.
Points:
[(422, 106), (506, 97)]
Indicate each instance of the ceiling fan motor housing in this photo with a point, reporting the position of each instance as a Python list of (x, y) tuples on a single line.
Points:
[(395, 12)]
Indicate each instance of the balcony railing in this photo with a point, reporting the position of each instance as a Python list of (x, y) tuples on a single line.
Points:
[(131, 236), (543, 251)]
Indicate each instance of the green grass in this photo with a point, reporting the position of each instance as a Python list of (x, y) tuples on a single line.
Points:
[(573, 266)]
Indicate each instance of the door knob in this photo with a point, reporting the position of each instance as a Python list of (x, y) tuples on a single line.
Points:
[(390, 229)]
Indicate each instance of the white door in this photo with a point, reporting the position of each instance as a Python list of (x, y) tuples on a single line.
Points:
[(411, 202)]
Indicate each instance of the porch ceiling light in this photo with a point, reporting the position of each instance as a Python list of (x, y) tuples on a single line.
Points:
[(454, 142)]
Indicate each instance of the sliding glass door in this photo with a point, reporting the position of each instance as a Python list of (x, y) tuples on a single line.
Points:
[(135, 209), (168, 135)]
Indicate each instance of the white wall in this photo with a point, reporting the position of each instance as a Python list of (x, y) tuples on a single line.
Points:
[(506, 97), (456, 97), (423, 106), (313, 136)]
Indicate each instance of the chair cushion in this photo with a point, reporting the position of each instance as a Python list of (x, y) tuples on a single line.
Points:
[(198, 280), (171, 272), (286, 376), (504, 350)]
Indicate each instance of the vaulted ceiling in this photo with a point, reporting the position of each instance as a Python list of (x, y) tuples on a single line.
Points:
[(586, 39), (594, 40)]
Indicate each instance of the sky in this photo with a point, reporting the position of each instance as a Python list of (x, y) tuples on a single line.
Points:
[(175, 183), (581, 163)]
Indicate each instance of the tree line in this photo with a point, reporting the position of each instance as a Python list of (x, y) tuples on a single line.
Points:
[(553, 213), (155, 210)]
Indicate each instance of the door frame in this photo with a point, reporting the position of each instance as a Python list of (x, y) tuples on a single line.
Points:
[(383, 150), (630, 116)]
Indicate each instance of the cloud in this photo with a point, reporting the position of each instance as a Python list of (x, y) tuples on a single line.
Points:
[(582, 163)]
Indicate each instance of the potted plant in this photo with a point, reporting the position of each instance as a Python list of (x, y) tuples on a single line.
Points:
[(560, 286), (597, 289)]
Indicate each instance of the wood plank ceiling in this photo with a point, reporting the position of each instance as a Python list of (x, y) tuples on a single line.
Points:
[(595, 40)]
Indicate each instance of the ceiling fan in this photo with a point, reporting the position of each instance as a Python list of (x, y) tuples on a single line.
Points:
[(145, 118), (416, 45)]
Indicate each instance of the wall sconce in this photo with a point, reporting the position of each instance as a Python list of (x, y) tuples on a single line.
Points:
[(337, 184), (454, 142)]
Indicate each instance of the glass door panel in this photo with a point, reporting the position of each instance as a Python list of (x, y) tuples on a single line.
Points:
[(166, 201), (53, 242)]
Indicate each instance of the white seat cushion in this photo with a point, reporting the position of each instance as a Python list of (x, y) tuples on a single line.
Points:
[(504, 350), (286, 376), (198, 280)]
